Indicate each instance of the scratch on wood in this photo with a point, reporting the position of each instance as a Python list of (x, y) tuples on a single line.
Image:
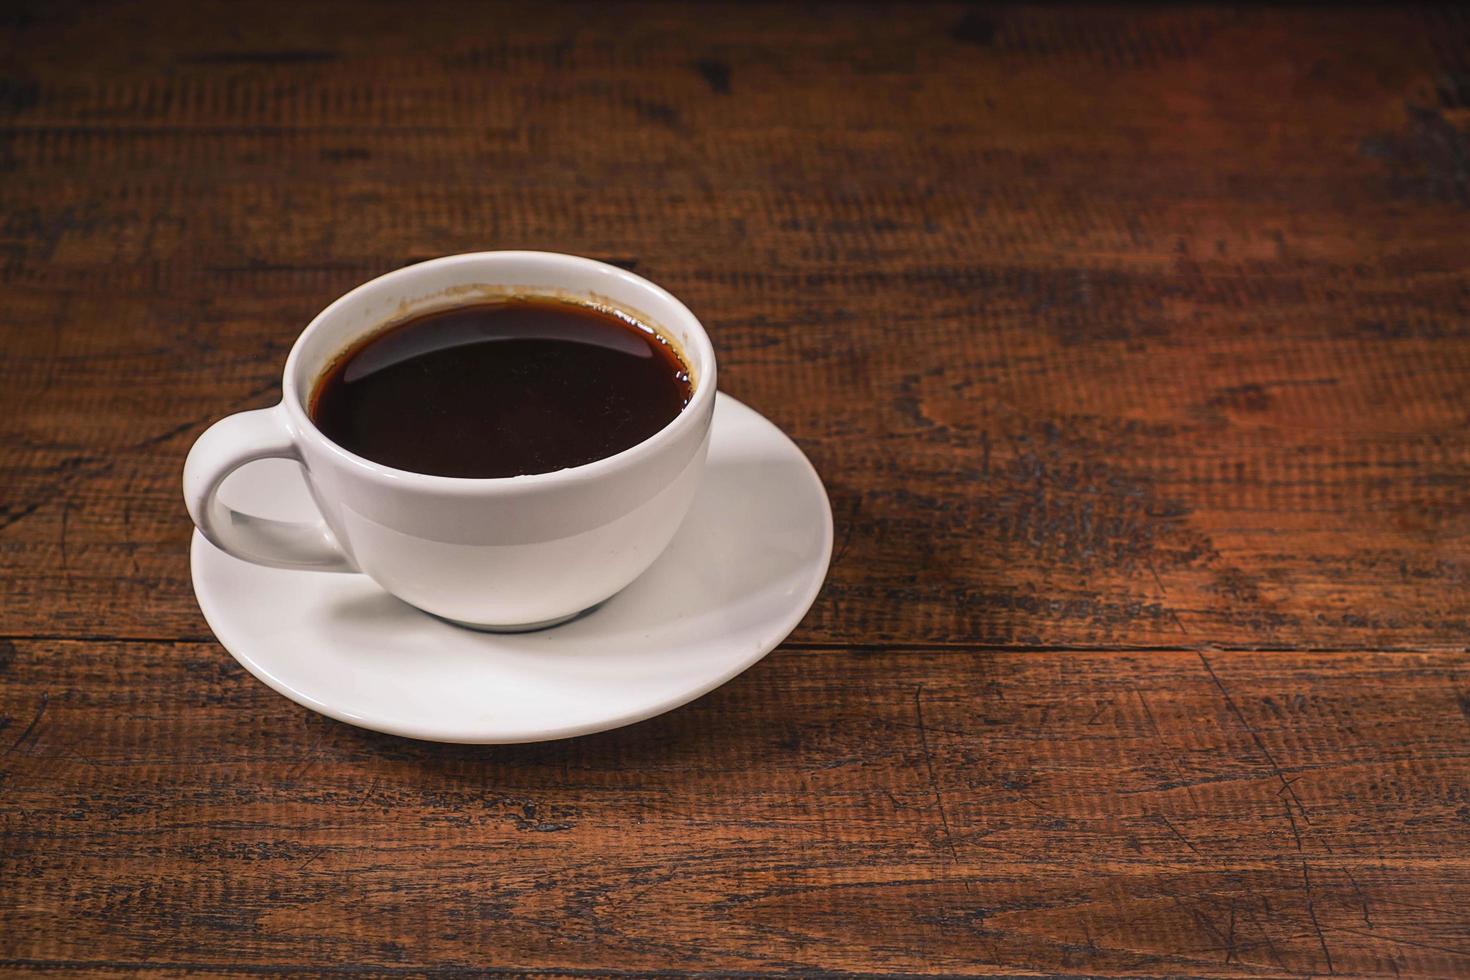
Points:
[(35, 720), (1157, 581), (1147, 713), (1362, 899), (1034, 805), (1255, 736), (1286, 805), (1202, 919), (21, 514), (65, 559), (1266, 936), (169, 433), (70, 470), (1405, 942), (1087, 936), (1175, 831), (1312, 913), (372, 788), (316, 856), (308, 758), (1173, 756), (933, 782), (182, 427), (1102, 706)]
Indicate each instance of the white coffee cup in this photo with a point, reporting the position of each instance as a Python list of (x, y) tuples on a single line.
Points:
[(511, 553)]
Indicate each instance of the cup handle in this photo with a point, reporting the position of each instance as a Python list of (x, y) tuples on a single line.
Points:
[(225, 447)]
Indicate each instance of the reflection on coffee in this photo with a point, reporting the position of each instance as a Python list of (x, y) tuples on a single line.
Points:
[(528, 385)]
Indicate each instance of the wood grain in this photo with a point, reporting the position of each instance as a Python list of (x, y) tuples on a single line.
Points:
[(1133, 348), (1157, 812), (1084, 357)]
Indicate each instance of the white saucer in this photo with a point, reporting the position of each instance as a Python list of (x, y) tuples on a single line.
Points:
[(744, 568)]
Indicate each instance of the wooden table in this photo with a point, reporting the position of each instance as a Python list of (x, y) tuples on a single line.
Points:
[(1134, 352)]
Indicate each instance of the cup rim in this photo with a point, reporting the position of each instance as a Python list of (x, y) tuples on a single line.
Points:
[(704, 383)]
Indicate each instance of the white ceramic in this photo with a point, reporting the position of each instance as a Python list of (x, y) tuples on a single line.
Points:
[(739, 575), (509, 554)]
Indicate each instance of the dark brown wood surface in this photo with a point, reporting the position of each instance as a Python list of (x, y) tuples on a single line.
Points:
[(1133, 347)]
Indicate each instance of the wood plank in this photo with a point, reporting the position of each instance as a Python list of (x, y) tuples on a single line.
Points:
[(1095, 338), (1040, 812)]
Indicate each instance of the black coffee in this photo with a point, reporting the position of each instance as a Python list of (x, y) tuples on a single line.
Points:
[(502, 389)]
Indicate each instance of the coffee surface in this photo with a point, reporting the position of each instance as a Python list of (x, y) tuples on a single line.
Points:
[(503, 389)]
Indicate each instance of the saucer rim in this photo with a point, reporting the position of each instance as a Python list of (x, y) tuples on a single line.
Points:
[(450, 734)]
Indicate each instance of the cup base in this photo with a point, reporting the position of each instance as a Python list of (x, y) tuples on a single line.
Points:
[(544, 624)]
